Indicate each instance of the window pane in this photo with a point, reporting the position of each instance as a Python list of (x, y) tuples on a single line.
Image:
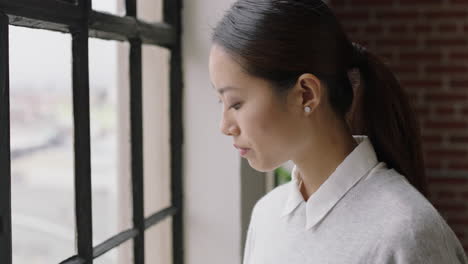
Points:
[(156, 150), (123, 254), (110, 185), (283, 173), (156, 128), (42, 146), (115, 7), (150, 11), (158, 242)]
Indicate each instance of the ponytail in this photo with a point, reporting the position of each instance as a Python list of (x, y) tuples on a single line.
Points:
[(382, 111)]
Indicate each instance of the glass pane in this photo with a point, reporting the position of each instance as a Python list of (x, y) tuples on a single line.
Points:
[(123, 254), (111, 191), (150, 11), (115, 7), (42, 146), (156, 128), (158, 242), (156, 150), (282, 174)]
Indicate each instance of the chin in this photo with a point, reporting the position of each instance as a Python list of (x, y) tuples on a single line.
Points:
[(262, 168)]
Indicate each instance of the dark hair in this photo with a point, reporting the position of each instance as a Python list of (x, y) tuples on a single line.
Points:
[(278, 40)]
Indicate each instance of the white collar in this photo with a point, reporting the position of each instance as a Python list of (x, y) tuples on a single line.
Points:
[(355, 166)]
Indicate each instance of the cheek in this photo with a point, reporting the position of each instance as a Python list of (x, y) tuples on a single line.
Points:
[(265, 126), (257, 122)]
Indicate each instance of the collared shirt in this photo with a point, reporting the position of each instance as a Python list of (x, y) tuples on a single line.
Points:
[(363, 213), (356, 166)]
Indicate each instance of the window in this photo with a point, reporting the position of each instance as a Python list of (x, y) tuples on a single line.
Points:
[(80, 22)]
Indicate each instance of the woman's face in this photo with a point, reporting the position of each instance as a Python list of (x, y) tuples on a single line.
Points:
[(252, 115)]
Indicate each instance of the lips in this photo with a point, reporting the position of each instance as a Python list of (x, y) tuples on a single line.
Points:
[(240, 148)]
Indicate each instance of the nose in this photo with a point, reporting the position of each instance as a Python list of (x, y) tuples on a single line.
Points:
[(228, 127)]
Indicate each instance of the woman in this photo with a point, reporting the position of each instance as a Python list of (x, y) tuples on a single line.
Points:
[(281, 72)]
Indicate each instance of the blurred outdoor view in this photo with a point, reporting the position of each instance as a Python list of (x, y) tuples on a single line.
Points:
[(42, 152)]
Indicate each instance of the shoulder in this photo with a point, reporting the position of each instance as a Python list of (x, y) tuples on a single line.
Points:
[(412, 230), (272, 201), (427, 241), (398, 203), (390, 192)]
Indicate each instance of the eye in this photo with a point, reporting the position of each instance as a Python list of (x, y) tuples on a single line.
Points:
[(236, 106)]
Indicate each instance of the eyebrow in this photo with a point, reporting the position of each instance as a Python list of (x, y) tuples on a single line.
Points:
[(224, 89)]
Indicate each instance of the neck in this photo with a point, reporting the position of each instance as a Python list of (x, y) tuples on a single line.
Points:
[(319, 160)]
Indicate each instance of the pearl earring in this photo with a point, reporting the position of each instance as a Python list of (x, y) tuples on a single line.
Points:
[(307, 109)]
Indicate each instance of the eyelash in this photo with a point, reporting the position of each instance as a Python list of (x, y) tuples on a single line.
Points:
[(232, 106)]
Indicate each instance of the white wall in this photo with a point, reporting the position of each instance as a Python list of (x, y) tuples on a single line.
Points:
[(212, 166)]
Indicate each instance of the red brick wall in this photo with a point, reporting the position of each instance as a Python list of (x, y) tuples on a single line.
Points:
[(425, 43)]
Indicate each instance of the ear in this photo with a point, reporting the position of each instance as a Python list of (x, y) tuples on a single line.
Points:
[(308, 91)]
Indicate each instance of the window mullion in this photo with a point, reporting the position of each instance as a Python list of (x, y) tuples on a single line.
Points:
[(136, 115), (82, 137), (136, 124), (172, 15), (5, 153), (51, 11)]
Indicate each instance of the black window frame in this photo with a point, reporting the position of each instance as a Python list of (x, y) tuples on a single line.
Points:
[(77, 18)]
